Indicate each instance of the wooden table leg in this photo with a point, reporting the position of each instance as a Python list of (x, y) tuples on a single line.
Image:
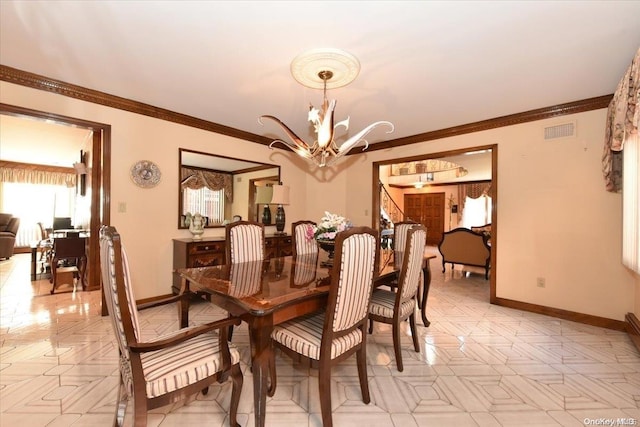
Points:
[(261, 356), (184, 303), (426, 284), (34, 250)]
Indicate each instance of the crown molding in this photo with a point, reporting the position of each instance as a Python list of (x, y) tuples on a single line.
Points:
[(512, 119), (35, 81), (24, 78)]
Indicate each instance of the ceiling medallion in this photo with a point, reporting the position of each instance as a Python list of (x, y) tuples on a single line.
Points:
[(322, 69)]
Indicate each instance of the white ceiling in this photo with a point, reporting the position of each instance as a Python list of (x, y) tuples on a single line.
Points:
[(424, 65)]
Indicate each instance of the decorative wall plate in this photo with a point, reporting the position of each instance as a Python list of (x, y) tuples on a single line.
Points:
[(145, 174)]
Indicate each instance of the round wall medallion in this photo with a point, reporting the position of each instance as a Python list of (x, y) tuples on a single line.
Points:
[(145, 174), (307, 66)]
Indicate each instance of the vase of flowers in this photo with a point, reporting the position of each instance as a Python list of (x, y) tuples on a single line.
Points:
[(325, 233)]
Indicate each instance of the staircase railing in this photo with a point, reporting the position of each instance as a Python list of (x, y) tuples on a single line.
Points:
[(390, 207)]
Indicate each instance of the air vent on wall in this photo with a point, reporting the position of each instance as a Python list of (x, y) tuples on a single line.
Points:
[(563, 130)]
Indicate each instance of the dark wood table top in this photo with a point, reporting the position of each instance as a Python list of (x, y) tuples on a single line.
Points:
[(263, 286)]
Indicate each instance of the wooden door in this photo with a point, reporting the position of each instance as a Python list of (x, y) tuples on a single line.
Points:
[(428, 210)]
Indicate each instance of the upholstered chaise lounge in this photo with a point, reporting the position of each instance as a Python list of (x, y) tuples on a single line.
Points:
[(466, 247)]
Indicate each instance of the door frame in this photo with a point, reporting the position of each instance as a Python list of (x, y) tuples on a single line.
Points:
[(100, 179), (375, 199)]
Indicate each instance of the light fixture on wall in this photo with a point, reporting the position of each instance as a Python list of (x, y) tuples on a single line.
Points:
[(320, 69), (280, 198), (263, 197)]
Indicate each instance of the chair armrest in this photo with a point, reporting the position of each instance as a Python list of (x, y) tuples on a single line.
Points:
[(182, 336)]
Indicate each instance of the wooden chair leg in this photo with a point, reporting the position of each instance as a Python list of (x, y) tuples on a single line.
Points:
[(361, 360), (396, 344), (414, 333), (324, 386), (237, 379), (370, 326), (139, 412)]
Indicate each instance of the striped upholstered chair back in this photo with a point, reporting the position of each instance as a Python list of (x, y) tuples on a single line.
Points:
[(355, 264), (411, 272), (120, 300), (245, 241), (400, 230), (300, 233)]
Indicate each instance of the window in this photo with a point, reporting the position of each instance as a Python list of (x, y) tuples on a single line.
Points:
[(476, 212), (631, 203), (208, 203)]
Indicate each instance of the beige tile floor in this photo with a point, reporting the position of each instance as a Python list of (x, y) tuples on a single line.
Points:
[(479, 365)]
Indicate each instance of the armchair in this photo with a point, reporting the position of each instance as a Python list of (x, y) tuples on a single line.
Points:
[(175, 365), (8, 229)]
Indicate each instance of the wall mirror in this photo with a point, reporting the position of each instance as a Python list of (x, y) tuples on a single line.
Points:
[(221, 188)]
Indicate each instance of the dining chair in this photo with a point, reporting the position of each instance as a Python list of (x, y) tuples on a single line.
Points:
[(394, 307), (70, 251), (172, 366), (301, 244), (400, 231), (334, 334), (245, 241)]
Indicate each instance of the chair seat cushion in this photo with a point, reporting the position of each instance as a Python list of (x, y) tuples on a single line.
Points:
[(382, 303), (304, 335), (175, 367)]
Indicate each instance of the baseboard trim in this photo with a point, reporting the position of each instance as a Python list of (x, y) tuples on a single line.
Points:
[(573, 316), (633, 329)]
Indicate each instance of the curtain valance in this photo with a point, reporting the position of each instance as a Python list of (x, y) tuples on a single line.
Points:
[(24, 173), (473, 191), (198, 178), (623, 116)]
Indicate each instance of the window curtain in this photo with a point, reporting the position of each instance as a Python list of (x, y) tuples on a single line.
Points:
[(472, 191), (622, 123), (622, 170), (199, 178)]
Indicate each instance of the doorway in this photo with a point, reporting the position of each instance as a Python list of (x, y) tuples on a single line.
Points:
[(99, 163), (490, 152)]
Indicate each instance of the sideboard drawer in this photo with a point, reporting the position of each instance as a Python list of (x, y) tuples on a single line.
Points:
[(204, 247)]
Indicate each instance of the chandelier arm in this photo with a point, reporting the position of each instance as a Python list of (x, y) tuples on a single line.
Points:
[(295, 138), (302, 152), (357, 138)]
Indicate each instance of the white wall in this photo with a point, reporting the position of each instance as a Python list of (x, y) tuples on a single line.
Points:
[(150, 221), (555, 219)]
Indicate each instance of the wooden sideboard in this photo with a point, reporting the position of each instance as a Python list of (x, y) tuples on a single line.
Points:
[(188, 253)]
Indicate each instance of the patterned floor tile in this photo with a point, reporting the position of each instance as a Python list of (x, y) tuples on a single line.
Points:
[(478, 365)]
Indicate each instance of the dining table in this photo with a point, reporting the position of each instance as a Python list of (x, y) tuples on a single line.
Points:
[(268, 292)]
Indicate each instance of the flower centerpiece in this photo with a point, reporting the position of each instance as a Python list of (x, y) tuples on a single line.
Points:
[(325, 232)]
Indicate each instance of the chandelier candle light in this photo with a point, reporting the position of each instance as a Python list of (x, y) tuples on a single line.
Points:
[(319, 68)]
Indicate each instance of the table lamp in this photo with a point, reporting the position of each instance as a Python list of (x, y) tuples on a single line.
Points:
[(280, 198), (263, 197)]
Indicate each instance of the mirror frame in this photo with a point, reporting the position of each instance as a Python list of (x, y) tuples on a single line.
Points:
[(247, 166)]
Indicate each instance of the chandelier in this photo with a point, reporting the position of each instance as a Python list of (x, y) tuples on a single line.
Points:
[(316, 69)]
